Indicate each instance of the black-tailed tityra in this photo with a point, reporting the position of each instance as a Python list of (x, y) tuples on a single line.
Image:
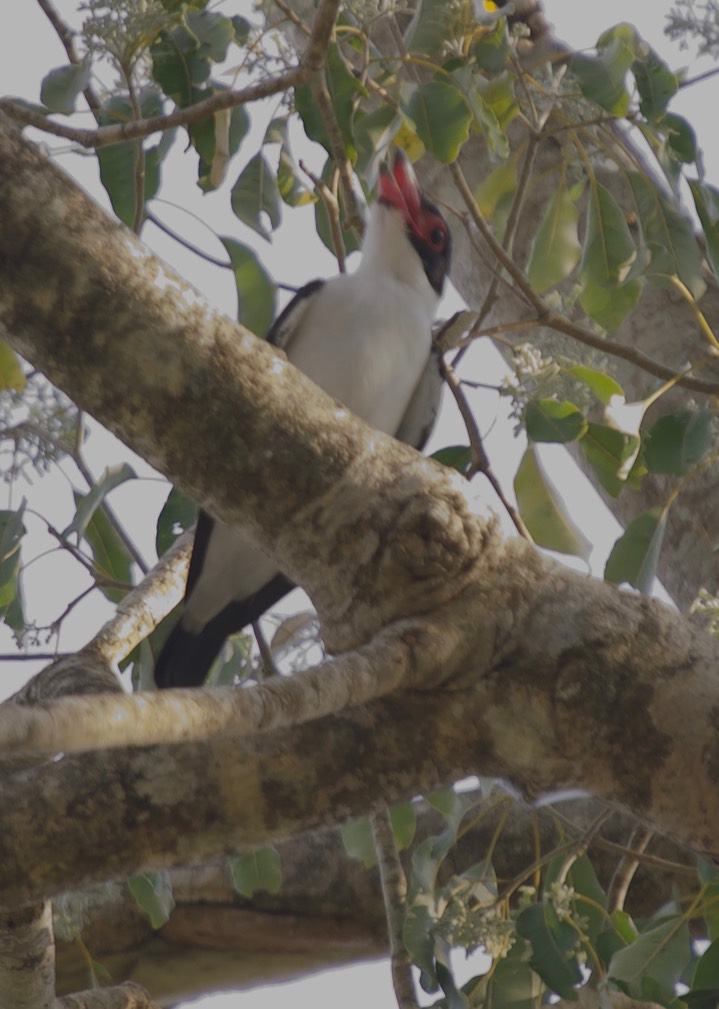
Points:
[(366, 339)]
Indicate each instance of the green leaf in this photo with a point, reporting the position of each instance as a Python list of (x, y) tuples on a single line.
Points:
[(607, 296), (404, 823), (216, 139), (701, 999), (512, 984), (706, 974), (60, 88), (590, 899), (440, 115), (549, 420), (373, 133), (659, 955), (242, 28), (681, 138), (12, 531), (177, 65), (291, 187), (357, 834), (493, 106), (495, 193), (669, 235), (635, 555), (322, 221), (607, 451), (153, 894), (602, 78), (603, 386), (255, 288), (493, 47), (543, 510), (556, 247), (655, 82), (431, 27), (345, 90), (553, 943), (177, 516), (214, 32), (254, 194), (11, 374), (87, 504), (445, 801), (706, 201), (453, 997), (676, 442), (118, 161), (458, 457), (498, 93), (111, 557), (358, 842), (256, 870)]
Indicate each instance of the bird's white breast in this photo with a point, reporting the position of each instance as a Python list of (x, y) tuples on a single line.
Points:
[(365, 339)]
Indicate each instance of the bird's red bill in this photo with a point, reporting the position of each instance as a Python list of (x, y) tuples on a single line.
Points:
[(398, 186)]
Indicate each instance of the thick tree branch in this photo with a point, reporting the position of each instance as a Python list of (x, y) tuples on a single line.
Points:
[(397, 659), (624, 694)]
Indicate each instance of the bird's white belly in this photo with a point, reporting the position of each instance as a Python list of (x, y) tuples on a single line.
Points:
[(375, 367)]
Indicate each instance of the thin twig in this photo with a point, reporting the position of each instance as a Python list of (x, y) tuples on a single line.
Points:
[(481, 463), (293, 17), (132, 130), (32, 657), (139, 167), (394, 893), (212, 260), (321, 95), (333, 214), (621, 849), (315, 55), (267, 662), (624, 873), (55, 625)]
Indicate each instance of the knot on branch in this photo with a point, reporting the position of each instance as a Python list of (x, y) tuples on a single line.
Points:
[(433, 538), (81, 673)]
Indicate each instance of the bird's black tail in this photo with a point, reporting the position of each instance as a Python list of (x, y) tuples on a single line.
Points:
[(185, 658)]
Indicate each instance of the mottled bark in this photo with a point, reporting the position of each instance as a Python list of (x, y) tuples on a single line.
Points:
[(623, 693), (27, 957)]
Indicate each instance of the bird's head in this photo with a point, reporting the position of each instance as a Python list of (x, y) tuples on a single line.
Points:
[(424, 225)]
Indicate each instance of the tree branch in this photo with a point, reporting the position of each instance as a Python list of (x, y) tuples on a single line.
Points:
[(77, 724), (103, 136)]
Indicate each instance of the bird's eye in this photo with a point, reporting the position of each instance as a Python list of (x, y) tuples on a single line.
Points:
[(437, 237)]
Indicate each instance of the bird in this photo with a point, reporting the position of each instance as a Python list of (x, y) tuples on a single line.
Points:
[(366, 339)]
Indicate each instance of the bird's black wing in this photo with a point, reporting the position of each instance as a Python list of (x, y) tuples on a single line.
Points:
[(419, 418), (285, 325)]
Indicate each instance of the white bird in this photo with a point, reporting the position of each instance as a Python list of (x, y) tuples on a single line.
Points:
[(365, 338)]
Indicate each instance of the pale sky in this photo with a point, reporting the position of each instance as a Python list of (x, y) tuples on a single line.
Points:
[(27, 50)]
